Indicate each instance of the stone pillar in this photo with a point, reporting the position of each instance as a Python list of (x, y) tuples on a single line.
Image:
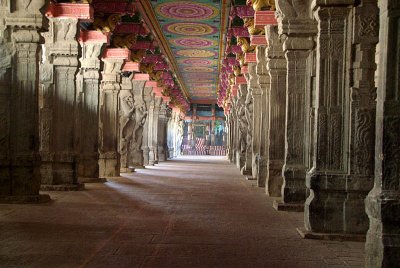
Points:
[(242, 128), (277, 106), (256, 95), (87, 130), (148, 98), (344, 132), (109, 163), (58, 111), (162, 129), (140, 117), (247, 169), (264, 82), (297, 29), (19, 58), (382, 248), (153, 142)]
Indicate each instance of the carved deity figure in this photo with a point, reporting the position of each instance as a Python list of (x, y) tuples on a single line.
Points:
[(140, 120), (249, 118), (244, 42), (106, 24), (259, 5), (180, 134), (241, 115), (249, 23), (124, 41), (127, 123)]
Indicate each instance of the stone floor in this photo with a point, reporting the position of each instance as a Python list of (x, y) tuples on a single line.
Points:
[(189, 212)]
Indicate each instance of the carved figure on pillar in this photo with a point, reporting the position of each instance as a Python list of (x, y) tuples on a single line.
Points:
[(127, 125)]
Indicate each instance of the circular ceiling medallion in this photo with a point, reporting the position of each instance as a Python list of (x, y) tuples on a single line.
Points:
[(183, 10), (189, 28), (198, 62), (198, 69), (195, 53), (195, 42)]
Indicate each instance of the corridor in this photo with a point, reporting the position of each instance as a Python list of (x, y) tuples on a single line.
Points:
[(193, 211)]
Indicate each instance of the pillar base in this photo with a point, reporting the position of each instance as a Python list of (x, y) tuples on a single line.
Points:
[(25, 199), (91, 180), (245, 172), (331, 236), (127, 170), (250, 178), (280, 206), (63, 187)]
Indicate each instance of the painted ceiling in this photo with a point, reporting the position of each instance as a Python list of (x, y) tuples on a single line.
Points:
[(193, 31)]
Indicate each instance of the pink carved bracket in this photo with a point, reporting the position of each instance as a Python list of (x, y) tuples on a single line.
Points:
[(240, 80), (118, 7), (131, 28), (83, 12), (262, 18), (141, 77), (131, 66), (117, 53), (258, 40), (250, 57), (94, 37)]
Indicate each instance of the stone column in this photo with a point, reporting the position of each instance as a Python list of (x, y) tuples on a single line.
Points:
[(58, 111), (277, 106), (247, 169), (148, 98), (155, 110), (264, 82), (242, 128), (162, 129), (344, 131), (297, 29), (140, 116), (19, 60), (382, 248), (256, 95), (87, 130), (109, 163)]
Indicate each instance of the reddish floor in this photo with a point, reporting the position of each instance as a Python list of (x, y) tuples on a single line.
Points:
[(189, 212)]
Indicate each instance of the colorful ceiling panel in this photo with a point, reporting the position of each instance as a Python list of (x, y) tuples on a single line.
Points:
[(193, 30)]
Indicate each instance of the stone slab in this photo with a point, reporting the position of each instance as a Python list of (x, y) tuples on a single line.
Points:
[(331, 236), (280, 206)]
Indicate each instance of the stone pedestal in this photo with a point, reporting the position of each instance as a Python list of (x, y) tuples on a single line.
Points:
[(19, 57), (87, 127), (109, 162), (58, 111), (344, 129), (382, 248), (277, 107)]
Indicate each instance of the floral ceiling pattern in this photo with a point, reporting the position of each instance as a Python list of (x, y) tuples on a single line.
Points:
[(193, 31)]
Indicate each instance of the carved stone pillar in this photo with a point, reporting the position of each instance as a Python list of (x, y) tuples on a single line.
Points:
[(264, 82), (148, 98), (109, 163), (140, 116), (277, 106), (162, 129), (247, 169), (256, 95), (87, 128), (19, 59), (297, 29), (58, 111), (342, 171), (153, 142), (382, 248), (242, 127)]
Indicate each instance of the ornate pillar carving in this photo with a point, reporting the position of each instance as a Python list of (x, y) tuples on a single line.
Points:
[(382, 248), (298, 30), (148, 99), (248, 108), (264, 82), (256, 95), (59, 110), (277, 107), (342, 173), (109, 163), (19, 60), (153, 142), (242, 127), (87, 128), (162, 128)]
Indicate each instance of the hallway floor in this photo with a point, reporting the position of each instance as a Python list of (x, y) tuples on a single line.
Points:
[(188, 212)]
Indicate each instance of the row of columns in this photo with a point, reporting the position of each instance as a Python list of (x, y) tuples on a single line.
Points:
[(69, 113), (320, 140)]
